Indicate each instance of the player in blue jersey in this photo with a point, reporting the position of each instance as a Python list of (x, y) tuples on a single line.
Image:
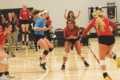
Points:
[(39, 28)]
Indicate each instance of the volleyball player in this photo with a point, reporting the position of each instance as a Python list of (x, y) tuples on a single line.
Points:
[(24, 17), (39, 28), (71, 35), (106, 39), (4, 59)]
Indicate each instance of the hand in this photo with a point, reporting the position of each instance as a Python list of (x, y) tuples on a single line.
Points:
[(65, 10), (50, 27), (81, 45), (0, 26), (18, 28), (71, 36), (79, 11), (74, 37), (20, 18), (45, 28), (30, 17)]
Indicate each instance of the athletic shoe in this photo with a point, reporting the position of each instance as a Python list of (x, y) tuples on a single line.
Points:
[(86, 64), (13, 55), (3, 77), (10, 76), (23, 43), (16, 49), (43, 66), (63, 67), (106, 78), (118, 62), (26, 43), (7, 52), (40, 59)]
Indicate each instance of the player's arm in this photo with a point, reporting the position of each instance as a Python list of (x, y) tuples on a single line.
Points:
[(75, 37), (65, 14), (90, 25), (78, 15)]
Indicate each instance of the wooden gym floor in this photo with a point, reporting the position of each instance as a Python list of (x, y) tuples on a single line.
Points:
[(26, 67)]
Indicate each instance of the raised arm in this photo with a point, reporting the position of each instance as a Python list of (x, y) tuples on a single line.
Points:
[(78, 15), (65, 14)]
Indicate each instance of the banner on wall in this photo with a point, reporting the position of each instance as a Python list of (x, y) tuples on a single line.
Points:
[(111, 12)]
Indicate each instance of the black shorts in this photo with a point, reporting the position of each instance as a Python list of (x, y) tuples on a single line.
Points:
[(24, 21), (107, 40), (72, 40), (38, 37)]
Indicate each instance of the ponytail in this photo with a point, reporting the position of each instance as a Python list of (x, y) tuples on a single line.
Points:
[(100, 25)]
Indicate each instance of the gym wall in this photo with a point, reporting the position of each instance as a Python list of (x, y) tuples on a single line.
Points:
[(57, 8)]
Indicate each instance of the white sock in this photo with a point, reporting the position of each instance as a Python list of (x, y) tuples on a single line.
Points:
[(27, 39), (43, 61), (23, 39), (104, 71), (64, 62)]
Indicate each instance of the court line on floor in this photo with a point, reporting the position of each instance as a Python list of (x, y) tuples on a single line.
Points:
[(98, 61), (39, 75)]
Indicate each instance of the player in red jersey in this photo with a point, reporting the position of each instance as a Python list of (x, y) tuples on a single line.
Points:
[(24, 17), (4, 59), (71, 35), (106, 39)]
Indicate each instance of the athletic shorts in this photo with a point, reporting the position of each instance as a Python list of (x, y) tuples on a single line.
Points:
[(38, 37), (107, 40), (24, 21), (72, 40)]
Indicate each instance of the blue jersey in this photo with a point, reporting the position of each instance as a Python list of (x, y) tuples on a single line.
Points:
[(39, 23)]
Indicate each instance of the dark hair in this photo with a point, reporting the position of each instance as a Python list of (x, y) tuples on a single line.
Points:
[(14, 14), (75, 26), (69, 15), (6, 25)]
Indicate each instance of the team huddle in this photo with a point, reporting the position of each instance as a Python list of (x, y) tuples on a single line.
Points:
[(71, 32)]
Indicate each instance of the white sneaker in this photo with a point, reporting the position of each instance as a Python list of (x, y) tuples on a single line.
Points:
[(10, 76), (3, 77)]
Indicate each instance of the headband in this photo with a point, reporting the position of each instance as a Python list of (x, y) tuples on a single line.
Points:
[(44, 12)]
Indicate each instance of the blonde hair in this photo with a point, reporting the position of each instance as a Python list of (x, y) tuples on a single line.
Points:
[(34, 12), (100, 25)]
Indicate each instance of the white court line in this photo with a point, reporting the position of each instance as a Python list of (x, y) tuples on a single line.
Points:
[(39, 75)]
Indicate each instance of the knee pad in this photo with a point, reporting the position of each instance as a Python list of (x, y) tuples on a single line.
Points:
[(102, 62), (27, 33), (23, 33), (7, 61), (81, 55), (66, 54), (50, 49), (3, 61), (45, 52)]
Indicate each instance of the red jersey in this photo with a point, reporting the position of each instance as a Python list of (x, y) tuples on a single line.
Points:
[(2, 37), (17, 23), (67, 32), (100, 33), (48, 22), (25, 14)]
